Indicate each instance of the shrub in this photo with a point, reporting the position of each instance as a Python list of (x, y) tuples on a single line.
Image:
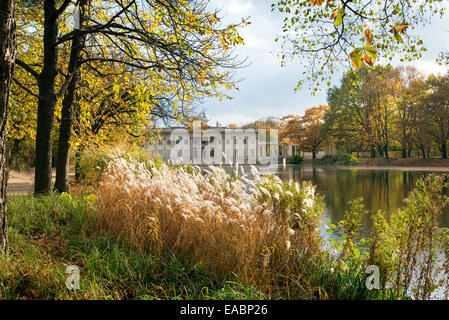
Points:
[(48, 233), (327, 159), (347, 158), (419, 240), (20, 153), (92, 164), (411, 251), (350, 228), (295, 159)]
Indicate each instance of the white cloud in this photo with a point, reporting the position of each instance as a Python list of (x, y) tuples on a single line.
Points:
[(430, 67), (226, 119), (237, 6), (268, 88)]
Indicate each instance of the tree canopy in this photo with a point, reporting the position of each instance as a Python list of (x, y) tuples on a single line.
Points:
[(389, 107), (120, 64), (336, 34)]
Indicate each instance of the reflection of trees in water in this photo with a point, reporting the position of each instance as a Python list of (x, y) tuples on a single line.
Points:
[(380, 189)]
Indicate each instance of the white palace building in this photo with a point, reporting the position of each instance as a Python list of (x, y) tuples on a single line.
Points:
[(221, 145)]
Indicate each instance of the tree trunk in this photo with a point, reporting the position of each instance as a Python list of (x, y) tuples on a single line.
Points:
[(386, 151), (380, 151), (444, 150), (7, 60), (314, 155), (373, 152), (47, 102), (404, 143), (77, 164), (79, 150), (423, 150), (65, 130)]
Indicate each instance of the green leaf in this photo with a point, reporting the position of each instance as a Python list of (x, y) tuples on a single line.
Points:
[(339, 18), (397, 36), (371, 51), (356, 57)]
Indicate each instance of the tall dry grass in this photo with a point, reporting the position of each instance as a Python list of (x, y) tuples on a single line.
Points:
[(258, 228)]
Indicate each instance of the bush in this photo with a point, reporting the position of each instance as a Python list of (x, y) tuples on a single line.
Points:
[(48, 233), (295, 159), (412, 250), (347, 158), (92, 164), (327, 159), (20, 154)]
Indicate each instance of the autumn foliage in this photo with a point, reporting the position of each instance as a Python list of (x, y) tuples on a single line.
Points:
[(304, 130)]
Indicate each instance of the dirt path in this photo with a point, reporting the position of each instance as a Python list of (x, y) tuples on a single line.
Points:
[(22, 182)]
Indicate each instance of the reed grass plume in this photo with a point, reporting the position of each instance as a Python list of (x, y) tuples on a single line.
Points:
[(256, 227)]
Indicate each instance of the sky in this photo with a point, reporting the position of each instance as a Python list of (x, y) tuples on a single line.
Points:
[(267, 88)]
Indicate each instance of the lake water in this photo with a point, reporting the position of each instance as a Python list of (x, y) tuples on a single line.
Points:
[(380, 188)]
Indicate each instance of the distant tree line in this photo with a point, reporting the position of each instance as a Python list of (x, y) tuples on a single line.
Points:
[(384, 109)]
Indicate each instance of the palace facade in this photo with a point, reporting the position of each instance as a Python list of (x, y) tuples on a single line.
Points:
[(224, 145)]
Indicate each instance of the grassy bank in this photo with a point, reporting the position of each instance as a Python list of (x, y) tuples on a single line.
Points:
[(48, 233), (412, 163), (144, 230), (406, 162)]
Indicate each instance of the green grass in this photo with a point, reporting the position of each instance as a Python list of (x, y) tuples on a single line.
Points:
[(48, 233)]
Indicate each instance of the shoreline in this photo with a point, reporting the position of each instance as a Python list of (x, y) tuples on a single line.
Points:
[(398, 164), (396, 168)]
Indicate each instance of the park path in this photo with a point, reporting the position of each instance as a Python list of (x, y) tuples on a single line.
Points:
[(22, 182)]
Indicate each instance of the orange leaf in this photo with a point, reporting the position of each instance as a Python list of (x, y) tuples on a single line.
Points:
[(368, 59), (316, 2), (334, 14), (401, 27), (368, 35)]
